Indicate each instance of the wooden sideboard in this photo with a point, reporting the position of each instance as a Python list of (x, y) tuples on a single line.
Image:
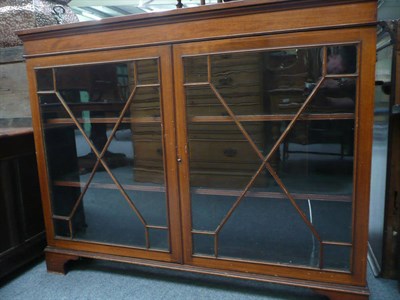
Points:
[(231, 139), (21, 219)]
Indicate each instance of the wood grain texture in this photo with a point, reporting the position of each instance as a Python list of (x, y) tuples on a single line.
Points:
[(340, 295), (328, 289), (22, 233), (363, 115), (208, 12), (56, 262), (146, 29), (238, 27)]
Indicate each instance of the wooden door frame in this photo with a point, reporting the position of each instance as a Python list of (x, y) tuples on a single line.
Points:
[(163, 54), (363, 132)]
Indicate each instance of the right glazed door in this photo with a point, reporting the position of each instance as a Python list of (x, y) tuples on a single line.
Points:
[(268, 132)]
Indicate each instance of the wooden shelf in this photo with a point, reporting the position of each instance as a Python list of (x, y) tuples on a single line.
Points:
[(209, 119), (111, 186), (256, 76), (272, 118), (104, 120), (92, 106), (207, 191), (271, 195)]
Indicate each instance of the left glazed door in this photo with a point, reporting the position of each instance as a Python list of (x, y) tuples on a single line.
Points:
[(107, 152)]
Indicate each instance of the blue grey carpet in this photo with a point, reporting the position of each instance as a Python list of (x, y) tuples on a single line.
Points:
[(106, 280)]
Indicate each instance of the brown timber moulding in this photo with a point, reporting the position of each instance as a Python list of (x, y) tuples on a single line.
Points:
[(220, 14), (202, 12), (354, 291), (173, 39)]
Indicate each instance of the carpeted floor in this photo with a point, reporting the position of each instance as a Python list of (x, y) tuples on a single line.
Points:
[(88, 279)]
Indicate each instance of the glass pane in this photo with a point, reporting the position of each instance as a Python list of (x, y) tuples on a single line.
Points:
[(342, 60), (112, 200), (256, 83), (334, 96), (207, 212), (284, 214), (159, 239), (317, 157), (51, 107), (146, 104), (147, 71), (337, 257), (61, 228), (196, 69), (44, 79), (110, 219), (203, 244), (220, 156), (201, 101), (148, 153), (64, 145), (107, 86), (331, 219), (151, 205), (268, 230)]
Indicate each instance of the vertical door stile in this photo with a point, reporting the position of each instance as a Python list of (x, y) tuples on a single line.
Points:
[(363, 153), (108, 134), (40, 152), (170, 141), (182, 153), (260, 137)]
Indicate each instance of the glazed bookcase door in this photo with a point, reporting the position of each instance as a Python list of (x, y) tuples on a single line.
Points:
[(105, 126), (268, 130)]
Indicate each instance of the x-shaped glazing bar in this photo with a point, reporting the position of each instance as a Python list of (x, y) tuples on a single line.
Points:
[(265, 159), (101, 155)]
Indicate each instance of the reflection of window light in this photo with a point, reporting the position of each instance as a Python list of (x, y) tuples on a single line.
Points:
[(84, 96), (157, 8), (144, 2), (89, 15)]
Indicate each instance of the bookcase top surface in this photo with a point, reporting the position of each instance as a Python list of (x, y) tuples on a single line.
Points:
[(235, 8)]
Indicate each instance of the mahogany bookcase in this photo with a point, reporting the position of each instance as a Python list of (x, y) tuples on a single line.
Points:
[(232, 139)]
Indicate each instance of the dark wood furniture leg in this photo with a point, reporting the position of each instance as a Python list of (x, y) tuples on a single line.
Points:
[(56, 262), (336, 295)]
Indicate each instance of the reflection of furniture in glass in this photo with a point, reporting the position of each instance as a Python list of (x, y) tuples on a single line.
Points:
[(212, 158), (292, 75), (61, 139), (334, 133), (97, 92), (21, 220), (203, 117), (220, 157)]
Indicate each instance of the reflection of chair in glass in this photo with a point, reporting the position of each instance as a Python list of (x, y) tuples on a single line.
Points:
[(335, 95), (323, 135)]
